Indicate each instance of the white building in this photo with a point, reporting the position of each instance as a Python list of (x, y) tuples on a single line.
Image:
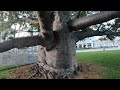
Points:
[(93, 42)]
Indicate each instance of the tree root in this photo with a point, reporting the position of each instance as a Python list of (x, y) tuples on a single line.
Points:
[(49, 72)]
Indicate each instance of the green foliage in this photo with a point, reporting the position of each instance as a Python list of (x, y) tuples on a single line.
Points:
[(8, 18), (111, 37), (74, 14), (115, 25), (107, 59), (8, 33), (103, 39)]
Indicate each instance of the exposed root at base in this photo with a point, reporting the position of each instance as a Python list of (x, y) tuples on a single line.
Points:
[(87, 71), (54, 74)]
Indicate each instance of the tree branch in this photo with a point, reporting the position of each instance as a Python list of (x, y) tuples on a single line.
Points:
[(31, 20), (27, 19), (98, 18), (21, 43), (80, 14), (81, 35), (61, 18), (99, 27), (45, 19)]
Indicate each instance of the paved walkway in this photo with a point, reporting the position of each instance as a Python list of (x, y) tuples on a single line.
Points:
[(100, 49)]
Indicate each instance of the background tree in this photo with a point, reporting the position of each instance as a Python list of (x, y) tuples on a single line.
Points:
[(58, 33)]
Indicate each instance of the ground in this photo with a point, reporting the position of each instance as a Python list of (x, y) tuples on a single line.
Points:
[(96, 65), (89, 71)]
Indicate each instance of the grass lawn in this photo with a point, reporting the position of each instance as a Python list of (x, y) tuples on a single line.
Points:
[(5, 71), (5, 74), (108, 59)]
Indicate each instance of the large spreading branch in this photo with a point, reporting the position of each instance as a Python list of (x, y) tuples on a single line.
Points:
[(26, 19), (61, 19), (81, 35), (31, 20), (82, 23), (21, 43), (45, 19)]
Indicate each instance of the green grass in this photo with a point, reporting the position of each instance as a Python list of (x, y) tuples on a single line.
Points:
[(108, 59), (5, 74), (6, 66)]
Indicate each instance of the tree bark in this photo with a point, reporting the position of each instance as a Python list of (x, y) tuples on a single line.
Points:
[(45, 19), (80, 35), (60, 61), (21, 43), (84, 22)]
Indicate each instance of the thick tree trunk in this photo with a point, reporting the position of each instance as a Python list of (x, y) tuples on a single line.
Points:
[(60, 61)]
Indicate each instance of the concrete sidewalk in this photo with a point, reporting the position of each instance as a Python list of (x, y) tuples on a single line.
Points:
[(99, 49)]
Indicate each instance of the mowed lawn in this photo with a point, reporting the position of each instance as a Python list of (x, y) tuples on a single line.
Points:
[(5, 73), (110, 60)]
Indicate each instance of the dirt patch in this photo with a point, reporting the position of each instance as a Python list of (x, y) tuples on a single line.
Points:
[(23, 72), (89, 71)]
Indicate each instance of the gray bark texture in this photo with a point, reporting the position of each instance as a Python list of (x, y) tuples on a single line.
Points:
[(61, 59), (59, 62)]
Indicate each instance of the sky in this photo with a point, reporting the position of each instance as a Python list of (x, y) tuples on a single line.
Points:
[(20, 31), (22, 34)]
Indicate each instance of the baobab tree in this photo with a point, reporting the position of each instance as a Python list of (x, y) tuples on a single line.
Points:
[(57, 39)]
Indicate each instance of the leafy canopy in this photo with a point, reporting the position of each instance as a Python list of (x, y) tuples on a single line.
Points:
[(9, 18)]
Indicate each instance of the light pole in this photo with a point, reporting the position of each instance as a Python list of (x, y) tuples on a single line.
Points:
[(93, 44)]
